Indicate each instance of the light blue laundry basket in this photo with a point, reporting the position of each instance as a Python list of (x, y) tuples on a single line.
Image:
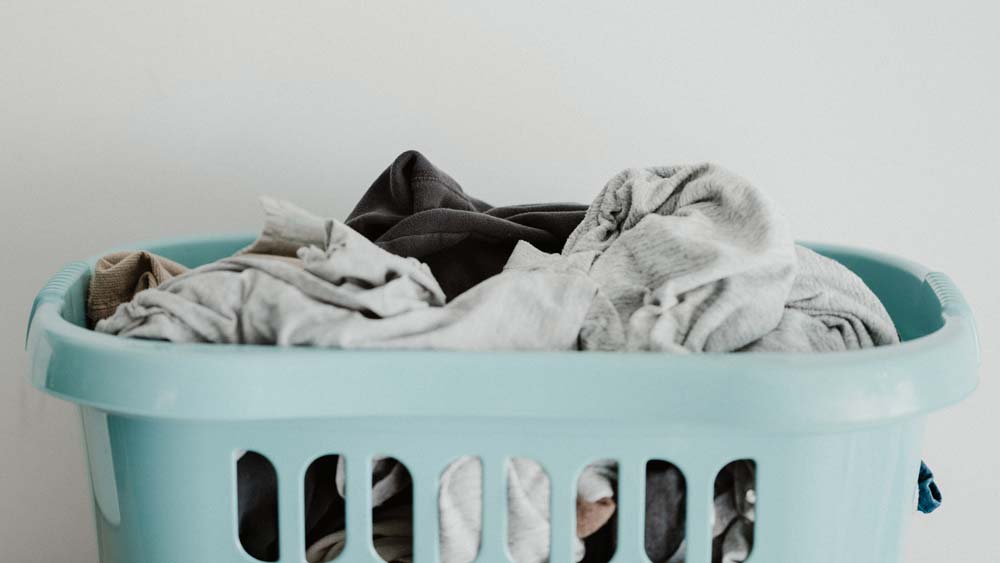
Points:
[(835, 437)]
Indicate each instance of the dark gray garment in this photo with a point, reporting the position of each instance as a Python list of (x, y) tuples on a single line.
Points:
[(665, 510), (257, 506), (414, 209), (734, 505), (324, 505)]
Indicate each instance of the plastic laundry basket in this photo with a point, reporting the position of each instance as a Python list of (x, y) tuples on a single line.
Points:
[(835, 437)]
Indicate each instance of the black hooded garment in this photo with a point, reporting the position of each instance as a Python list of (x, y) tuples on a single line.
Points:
[(414, 209)]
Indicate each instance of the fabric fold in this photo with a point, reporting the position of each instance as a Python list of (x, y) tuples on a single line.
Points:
[(117, 277), (692, 258), (829, 309)]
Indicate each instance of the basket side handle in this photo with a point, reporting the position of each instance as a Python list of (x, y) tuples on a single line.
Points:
[(954, 307), (55, 291)]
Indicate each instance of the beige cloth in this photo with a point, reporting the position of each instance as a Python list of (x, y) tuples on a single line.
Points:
[(119, 276), (591, 515)]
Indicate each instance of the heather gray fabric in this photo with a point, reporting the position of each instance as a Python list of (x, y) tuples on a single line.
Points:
[(287, 228), (254, 298), (352, 294), (388, 478), (829, 309), (527, 505), (537, 303), (692, 258)]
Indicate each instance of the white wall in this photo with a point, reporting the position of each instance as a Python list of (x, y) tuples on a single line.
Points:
[(871, 123)]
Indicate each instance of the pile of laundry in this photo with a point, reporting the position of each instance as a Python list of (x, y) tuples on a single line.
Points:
[(676, 259), (671, 259)]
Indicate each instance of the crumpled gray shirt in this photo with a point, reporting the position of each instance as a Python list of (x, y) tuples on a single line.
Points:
[(350, 293), (690, 258)]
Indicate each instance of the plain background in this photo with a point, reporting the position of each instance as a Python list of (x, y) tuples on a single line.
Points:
[(870, 123)]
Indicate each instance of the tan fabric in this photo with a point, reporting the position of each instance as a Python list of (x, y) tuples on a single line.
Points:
[(119, 276), (590, 516)]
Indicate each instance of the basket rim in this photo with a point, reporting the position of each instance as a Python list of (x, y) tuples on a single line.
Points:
[(762, 390)]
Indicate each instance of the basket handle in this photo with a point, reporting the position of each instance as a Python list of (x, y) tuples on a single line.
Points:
[(55, 290), (952, 301), (954, 307)]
